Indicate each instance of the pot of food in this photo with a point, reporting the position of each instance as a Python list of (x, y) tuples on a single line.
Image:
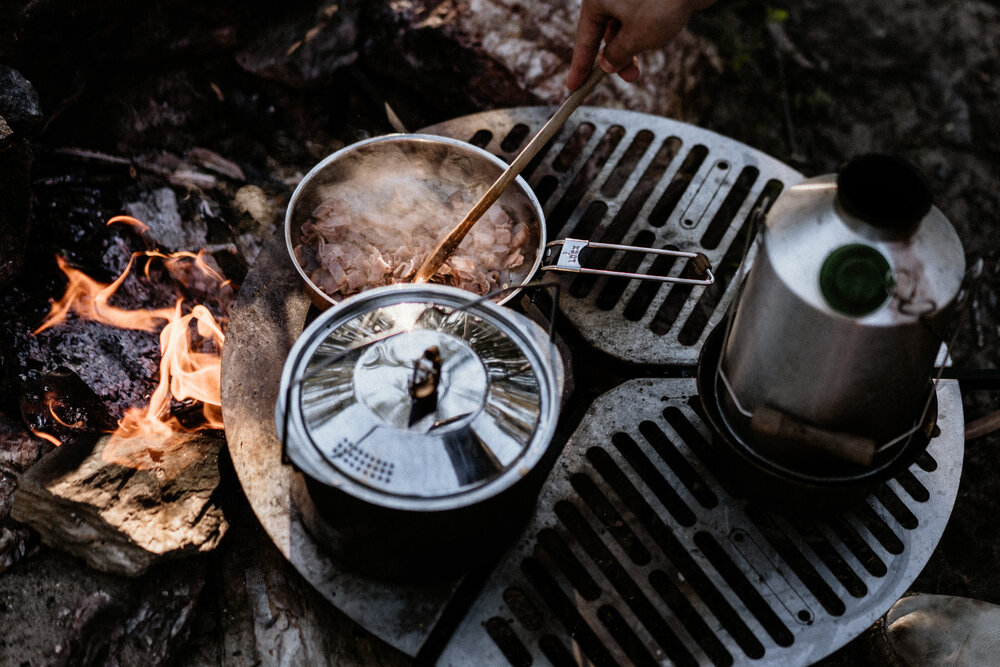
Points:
[(369, 214), (822, 375), (420, 418)]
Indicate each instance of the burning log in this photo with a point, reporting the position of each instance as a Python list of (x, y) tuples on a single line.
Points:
[(128, 503), (146, 492), (60, 407)]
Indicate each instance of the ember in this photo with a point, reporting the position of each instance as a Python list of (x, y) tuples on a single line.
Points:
[(190, 344)]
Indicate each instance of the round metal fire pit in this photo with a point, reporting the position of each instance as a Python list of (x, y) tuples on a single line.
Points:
[(640, 550)]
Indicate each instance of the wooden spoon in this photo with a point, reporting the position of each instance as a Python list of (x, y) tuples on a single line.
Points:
[(455, 236)]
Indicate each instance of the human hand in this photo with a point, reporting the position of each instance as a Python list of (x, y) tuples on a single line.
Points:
[(628, 27)]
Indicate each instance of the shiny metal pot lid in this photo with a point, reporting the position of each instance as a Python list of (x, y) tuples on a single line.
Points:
[(419, 397)]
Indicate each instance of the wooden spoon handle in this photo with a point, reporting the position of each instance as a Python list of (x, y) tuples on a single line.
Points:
[(455, 236)]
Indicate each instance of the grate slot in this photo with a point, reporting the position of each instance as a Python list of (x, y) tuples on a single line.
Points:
[(857, 546), (678, 186), (573, 147), (481, 138), (637, 306), (671, 547), (655, 436), (812, 534), (899, 511), (879, 529), (719, 225), (798, 563), (694, 623), (627, 164), (514, 138), (630, 643), (503, 636), (699, 445), (926, 462), (610, 518), (672, 306), (562, 556), (749, 595), (726, 270), (621, 223), (662, 489), (585, 227), (545, 187), (566, 612), (524, 609), (580, 184), (613, 289), (556, 652), (913, 487), (625, 586)]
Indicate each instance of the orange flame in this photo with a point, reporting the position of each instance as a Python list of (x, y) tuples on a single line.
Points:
[(184, 374), (47, 436), (141, 226), (187, 370), (51, 402)]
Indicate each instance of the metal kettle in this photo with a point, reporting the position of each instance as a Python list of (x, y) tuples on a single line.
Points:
[(833, 339)]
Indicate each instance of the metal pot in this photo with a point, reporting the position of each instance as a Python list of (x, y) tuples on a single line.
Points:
[(420, 156), (826, 369), (421, 419), (443, 160)]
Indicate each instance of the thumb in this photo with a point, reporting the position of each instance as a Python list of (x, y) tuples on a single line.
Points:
[(618, 53)]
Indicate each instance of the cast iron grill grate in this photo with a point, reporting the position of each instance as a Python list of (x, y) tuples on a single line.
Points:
[(624, 177), (640, 552)]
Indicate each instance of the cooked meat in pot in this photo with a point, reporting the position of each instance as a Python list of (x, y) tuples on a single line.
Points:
[(357, 241)]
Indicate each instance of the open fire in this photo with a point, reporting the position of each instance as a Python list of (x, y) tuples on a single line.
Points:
[(191, 340)]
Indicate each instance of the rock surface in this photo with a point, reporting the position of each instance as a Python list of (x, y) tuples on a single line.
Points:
[(942, 630), (18, 451), (15, 193), (128, 503), (467, 55), (54, 610)]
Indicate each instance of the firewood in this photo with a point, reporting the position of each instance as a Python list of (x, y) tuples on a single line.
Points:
[(127, 503)]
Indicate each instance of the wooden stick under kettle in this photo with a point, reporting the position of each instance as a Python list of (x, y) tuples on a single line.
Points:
[(455, 236)]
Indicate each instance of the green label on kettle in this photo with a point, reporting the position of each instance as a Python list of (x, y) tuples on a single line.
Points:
[(856, 279)]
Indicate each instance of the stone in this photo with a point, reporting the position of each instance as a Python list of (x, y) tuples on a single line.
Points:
[(127, 503), (19, 449), (305, 49), (19, 103), (160, 211), (15, 193), (942, 630), (54, 610)]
